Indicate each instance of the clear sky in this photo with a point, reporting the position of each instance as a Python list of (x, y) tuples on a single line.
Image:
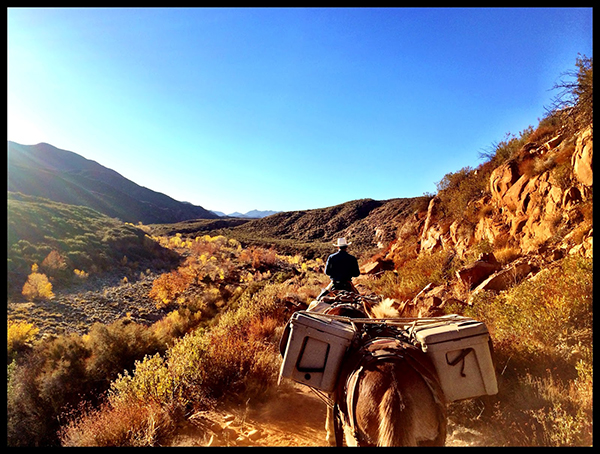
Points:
[(235, 109)]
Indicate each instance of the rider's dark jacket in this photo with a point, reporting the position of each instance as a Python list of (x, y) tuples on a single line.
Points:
[(342, 267)]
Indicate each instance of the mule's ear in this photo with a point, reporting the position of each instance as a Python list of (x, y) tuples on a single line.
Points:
[(387, 308), (367, 307)]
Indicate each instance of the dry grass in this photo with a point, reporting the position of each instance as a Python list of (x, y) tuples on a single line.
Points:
[(133, 424), (542, 332), (507, 254)]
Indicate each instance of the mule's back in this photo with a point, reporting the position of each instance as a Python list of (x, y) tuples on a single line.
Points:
[(392, 397)]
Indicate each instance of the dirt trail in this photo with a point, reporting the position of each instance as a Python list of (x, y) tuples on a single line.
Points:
[(295, 417)]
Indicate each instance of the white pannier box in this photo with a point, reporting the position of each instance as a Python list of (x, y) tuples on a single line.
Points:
[(315, 348), (460, 351)]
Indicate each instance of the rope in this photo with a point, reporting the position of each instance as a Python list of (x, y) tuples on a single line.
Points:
[(402, 321), (322, 396)]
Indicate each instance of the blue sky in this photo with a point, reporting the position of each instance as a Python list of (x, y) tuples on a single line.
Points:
[(286, 109)]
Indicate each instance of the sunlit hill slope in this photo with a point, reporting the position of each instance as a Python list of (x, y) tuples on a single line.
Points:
[(63, 176)]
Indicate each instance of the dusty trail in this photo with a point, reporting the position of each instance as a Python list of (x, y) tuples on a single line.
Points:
[(294, 417)]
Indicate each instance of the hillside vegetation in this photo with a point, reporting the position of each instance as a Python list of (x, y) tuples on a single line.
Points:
[(508, 243), (62, 238)]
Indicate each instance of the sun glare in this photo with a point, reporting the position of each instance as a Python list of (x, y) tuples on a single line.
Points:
[(24, 130)]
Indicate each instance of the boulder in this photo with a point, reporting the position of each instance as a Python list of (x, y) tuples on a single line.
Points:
[(585, 248), (553, 143), (517, 224), (434, 229), (504, 279), (254, 434), (377, 266), (571, 197), (502, 178), (429, 302), (462, 235), (477, 272)]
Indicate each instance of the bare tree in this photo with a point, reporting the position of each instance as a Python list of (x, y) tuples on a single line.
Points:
[(574, 101)]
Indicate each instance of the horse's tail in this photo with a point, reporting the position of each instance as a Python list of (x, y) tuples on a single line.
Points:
[(393, 430)]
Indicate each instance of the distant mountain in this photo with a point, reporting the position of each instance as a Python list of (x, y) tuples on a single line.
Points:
[(43, 170), (259, 214), (254, 214)]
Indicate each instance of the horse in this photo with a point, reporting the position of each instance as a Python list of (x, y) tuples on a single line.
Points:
[(388, 393)]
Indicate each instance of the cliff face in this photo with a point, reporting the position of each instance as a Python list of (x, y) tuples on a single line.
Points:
[(540, 201)]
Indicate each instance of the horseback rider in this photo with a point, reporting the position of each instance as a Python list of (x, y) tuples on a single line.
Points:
[(341, 267)]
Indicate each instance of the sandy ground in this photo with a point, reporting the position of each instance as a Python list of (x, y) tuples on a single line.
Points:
[(294, 417)]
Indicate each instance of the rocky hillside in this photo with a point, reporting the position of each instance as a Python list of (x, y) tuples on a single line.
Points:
[(43, 170), (536, 209), (537, 203)]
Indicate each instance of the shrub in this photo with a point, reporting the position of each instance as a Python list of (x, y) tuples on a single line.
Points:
[(542, 332), (151, 381), (54, 263), (58, 374), (49, 380), (237, 357), (167, 288), (550, 312), (37, 286), (412, 275), (176, 324), (133, 424), (116, 347), (506, 149), (575, 100), (20, 336)]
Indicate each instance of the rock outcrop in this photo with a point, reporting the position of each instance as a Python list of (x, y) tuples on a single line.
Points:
[(531, 197), (538, 210), (476, 273)]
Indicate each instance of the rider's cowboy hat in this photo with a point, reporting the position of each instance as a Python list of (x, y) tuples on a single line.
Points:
[(341, 242)]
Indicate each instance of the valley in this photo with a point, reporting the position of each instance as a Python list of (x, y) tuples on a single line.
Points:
[(166, 333)]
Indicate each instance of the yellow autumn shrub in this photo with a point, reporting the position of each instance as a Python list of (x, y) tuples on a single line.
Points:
[(19, 336), (37, 286)]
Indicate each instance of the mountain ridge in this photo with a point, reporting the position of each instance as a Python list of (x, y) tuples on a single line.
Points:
[(252, 214), (44, 170)]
